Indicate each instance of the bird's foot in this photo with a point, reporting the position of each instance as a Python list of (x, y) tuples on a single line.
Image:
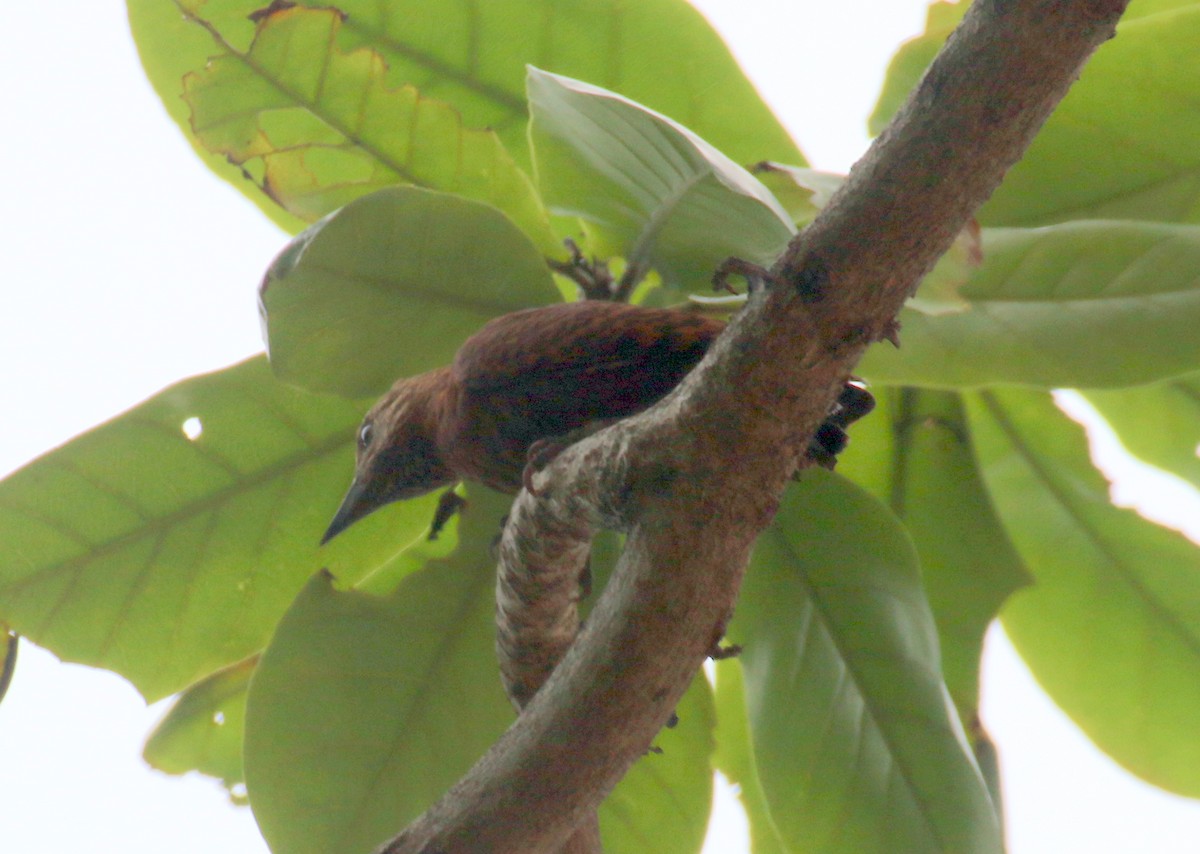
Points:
[(543, 451), (540, 454), (831, 439), (449, 503), (754, 274)]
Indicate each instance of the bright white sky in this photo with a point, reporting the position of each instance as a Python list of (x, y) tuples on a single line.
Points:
[(130, 266)]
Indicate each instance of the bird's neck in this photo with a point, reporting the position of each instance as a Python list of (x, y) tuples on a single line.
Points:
[(433, 397)]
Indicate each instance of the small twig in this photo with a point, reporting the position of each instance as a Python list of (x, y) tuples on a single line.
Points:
[(592, 277), (633, 275)]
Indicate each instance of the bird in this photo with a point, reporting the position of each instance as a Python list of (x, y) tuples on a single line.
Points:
[(531, 378)]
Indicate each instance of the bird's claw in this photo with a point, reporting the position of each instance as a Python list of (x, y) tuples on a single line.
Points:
[(754, 274), (449, 503)]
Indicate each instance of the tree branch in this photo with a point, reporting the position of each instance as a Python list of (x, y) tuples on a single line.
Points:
[(696, 478)]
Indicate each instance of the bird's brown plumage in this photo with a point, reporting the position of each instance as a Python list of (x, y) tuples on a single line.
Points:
[(523, 377)]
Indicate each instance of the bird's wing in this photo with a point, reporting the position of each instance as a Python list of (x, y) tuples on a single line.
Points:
[(585, 361)]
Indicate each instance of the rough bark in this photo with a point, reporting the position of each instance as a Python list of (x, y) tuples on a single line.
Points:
[(694, 480)]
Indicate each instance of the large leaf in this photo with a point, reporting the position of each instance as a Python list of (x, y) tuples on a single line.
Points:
[(164, 557), (856, 742), (317, 127), (391, 285), (1111, 627), (914, 453), (1157, 423), (1123, 142), (365, 708), (1083, 304), (473, 57), (170, 46), (649, 189), (203, 730)]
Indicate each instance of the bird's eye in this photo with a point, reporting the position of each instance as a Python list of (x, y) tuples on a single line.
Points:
[(364, 436)]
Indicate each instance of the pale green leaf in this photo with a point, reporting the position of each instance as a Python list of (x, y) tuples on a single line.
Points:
[(856, 742), (1081, 304), (317, 127), (203, 729), (648, 189), (914, 452), (1111, 625), (1157, 423), (473, 58), (163, 557), (802, 191), (940, 292), (366, 708), (391, 285), (1121, 145)]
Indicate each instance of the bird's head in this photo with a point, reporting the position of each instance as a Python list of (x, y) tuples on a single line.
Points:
[(397, 454)]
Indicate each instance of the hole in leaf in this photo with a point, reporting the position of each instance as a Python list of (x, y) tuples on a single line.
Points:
[(219, 719), (192, 428)]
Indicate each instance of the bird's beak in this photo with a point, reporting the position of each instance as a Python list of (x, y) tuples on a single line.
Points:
[(355, 505)]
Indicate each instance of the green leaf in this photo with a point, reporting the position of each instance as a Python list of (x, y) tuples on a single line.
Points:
[(365, 709), (1122, 144), (1082, 304), (940, 292), (1111, 627), (203, 729), (802, 192), (318, 127), (193, 738), (926, 473), (649, 189), (164, 558), (171, 45), (662, 804), (735, 757), (856, 743), (391, 285), (1172, 409), (473, 58), (908, 65)]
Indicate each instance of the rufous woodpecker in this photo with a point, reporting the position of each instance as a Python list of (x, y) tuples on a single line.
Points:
[(529, 376)]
